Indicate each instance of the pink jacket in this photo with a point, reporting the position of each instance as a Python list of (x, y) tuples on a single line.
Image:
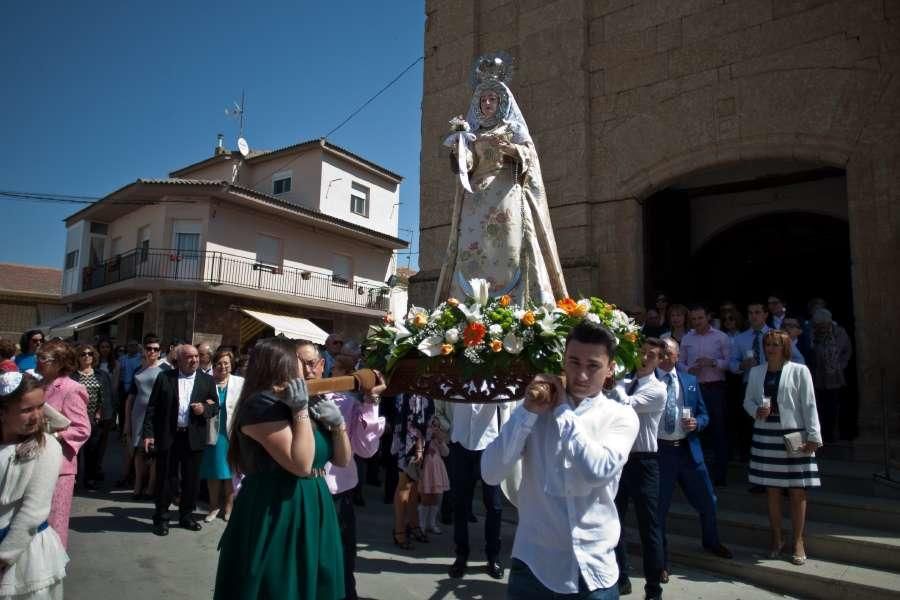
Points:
[(70, 398), (364, 428)]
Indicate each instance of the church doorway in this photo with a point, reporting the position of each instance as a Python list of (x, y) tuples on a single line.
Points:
[(709, 239)]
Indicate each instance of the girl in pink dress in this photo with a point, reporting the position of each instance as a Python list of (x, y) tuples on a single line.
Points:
[(434, 481), (55, 362)]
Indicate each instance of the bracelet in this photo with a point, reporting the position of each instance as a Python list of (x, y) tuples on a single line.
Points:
[(301, 415)]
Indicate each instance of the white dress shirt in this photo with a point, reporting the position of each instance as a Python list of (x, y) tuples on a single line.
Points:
[(679, 433), (185, 389), (475, 425), (648, 401), (566, 534)]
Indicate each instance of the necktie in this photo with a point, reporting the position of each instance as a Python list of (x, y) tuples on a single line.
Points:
[(757, 336), (671, 412)]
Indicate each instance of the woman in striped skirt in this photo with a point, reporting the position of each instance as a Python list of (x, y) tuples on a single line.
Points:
[(780, 397)]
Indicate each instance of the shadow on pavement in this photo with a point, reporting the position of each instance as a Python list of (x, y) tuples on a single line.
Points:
[(123, 519)]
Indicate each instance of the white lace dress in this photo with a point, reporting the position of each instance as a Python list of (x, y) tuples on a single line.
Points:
[(37, 559)]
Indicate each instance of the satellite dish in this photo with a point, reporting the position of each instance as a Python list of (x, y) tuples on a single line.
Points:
[(243, 147)]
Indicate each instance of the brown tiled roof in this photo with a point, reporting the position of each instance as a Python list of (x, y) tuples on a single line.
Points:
[(25, 279)]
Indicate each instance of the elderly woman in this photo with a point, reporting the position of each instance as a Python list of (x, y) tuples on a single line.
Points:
[(214, 466), (780, 397), (830, 351), (32, 558), (55, 363), (100, 411)]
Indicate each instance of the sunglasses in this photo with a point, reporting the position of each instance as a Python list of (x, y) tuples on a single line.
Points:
[(45, 359), (151, 348), (91, 354)]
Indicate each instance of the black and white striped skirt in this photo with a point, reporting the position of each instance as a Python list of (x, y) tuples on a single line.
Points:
[(770, 464)]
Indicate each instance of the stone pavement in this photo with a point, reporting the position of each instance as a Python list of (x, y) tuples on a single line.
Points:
[(114, 555)]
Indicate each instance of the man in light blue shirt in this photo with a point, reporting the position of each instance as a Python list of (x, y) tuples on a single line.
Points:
[(746, 347), (572, 442)]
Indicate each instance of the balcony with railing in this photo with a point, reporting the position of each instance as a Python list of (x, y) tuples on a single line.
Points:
[(220, 268)]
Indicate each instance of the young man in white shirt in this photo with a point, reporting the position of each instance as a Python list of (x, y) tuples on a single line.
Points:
[(573, 443), (646, 394)]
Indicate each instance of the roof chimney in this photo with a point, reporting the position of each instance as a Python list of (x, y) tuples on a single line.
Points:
[(220, 145)]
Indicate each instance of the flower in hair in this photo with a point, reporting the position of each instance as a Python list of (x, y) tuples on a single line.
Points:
[(10, 382)]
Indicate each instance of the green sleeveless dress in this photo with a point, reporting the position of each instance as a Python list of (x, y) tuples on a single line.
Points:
[(282, 540)]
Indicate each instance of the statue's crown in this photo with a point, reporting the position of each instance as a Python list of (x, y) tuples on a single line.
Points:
[(496, 66)]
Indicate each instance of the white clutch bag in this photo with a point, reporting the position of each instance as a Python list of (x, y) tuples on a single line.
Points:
[(794, 443)]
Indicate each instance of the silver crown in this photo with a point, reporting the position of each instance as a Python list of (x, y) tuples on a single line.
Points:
[(495, 66)]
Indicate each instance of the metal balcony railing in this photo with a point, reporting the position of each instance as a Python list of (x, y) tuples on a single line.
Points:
[(220, 268)]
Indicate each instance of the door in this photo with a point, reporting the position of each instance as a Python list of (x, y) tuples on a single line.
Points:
[(187, 255)]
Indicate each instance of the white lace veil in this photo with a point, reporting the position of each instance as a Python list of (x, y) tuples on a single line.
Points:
[(507, 111)]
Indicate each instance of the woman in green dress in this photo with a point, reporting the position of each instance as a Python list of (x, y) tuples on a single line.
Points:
[(282, 540)]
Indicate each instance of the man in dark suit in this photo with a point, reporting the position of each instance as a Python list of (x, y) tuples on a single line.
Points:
[(181, 403), (680, 454)]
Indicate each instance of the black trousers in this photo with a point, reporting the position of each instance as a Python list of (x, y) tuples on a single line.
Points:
[(91, 453), (177, 460), (716, 432), (346, 514), (640, 483), (828, 406), (465, 472)]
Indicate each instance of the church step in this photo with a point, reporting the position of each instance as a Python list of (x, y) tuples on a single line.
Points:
[(818, 579), (878, 514), (830, 541)]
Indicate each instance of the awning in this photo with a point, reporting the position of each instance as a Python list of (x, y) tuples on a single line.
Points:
[(294, 328), (68, 324)]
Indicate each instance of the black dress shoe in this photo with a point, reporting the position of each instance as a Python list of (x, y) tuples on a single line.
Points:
[(494, 568), (664, 576), (624, 587), (472, 518), (161, 528), (720, 551), (458, 568), (190, 524)]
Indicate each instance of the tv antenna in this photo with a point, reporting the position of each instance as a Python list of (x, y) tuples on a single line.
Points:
[(237, 111)]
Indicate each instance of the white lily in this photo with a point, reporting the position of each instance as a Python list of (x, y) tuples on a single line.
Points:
[(513, 343), (548, 324), (495, 330), (519, 314), (480, 291), (451, 336), (592, 318), (472, 313), (431, 346), (400, 332)]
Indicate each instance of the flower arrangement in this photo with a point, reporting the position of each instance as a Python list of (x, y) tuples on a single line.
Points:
[(486, 335)]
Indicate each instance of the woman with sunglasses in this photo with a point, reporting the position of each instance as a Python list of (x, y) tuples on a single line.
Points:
[(55, 364), (135, 409), (29, 343), (100, 411)]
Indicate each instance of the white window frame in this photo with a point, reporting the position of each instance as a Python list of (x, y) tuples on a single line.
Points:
[(143, 243), (336, 276), (362, 193), (282, 176), (71, 264)]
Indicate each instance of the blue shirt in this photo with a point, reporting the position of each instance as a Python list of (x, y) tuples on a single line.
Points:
[(26, 361), (129, 366), (743, 342)]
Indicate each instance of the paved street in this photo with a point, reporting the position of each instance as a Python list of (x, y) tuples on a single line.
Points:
[(115, 555)]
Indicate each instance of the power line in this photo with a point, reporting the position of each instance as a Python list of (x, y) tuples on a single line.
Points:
[(355, 112), (83, 200)]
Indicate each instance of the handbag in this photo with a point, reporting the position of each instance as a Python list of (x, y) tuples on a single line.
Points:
[(794, 442)]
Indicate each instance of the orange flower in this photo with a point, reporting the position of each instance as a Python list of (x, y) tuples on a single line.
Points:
[(420, 320), (505, 299), (388, 319), (580, 310), (496, 345), (631, 337), (452, 301), (568, 305), (473, 334), (528, 318), (446, 349)]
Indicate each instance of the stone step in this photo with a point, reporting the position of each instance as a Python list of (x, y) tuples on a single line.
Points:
[(873, 513), (830, 541), (818, 579)]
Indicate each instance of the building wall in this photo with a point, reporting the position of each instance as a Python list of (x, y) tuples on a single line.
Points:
[(624, 98), (306, 177), (18, 314), (234, 230), (383, 216)]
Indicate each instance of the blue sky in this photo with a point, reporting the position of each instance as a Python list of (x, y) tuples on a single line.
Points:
[(97, 94)]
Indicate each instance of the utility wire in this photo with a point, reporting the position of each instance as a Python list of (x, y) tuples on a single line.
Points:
[(73, 199), (354, 113)]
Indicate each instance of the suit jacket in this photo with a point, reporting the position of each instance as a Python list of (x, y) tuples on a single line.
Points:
[(693, 399), (161, 418)]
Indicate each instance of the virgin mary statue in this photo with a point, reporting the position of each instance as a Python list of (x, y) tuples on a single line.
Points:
[(500, 229)]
